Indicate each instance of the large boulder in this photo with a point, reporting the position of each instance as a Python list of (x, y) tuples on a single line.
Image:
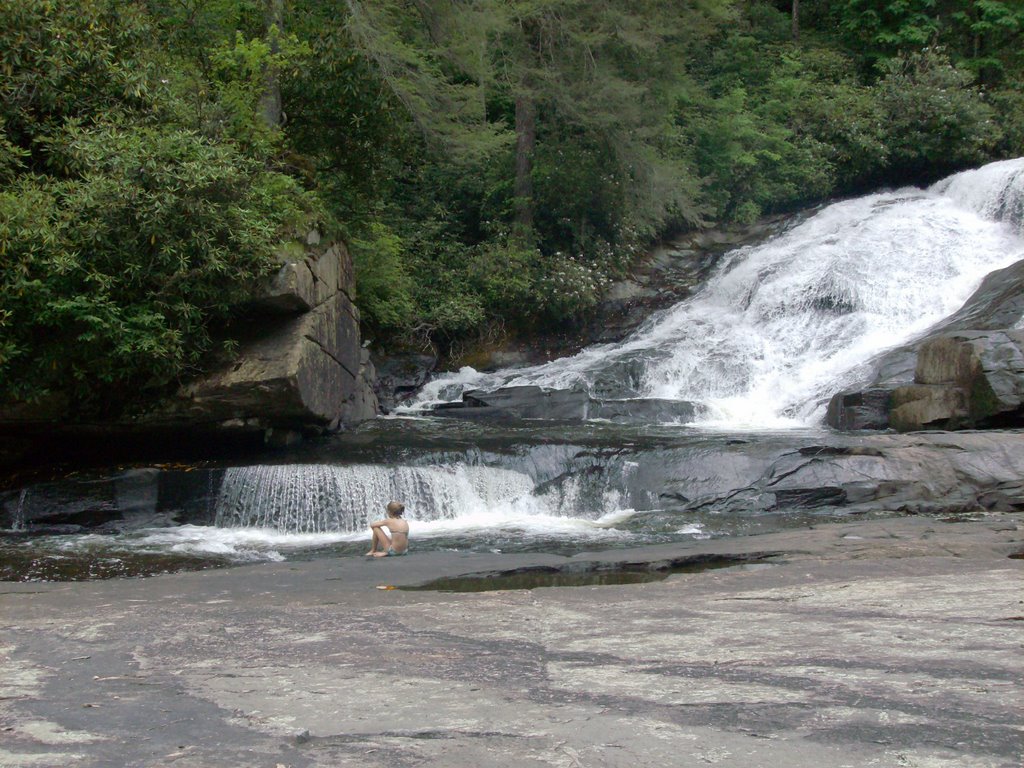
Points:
[(300, 369), (966, 372), (304, 370), (967, 379)]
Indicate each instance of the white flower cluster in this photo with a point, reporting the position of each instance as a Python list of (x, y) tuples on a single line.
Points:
[(571, 284)]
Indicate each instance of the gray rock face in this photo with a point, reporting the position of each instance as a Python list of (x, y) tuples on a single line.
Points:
[(866, 409), (308, 370), (291, 289), (400, 375), (531, 402), (678, 479), (968, 372), (947, 472), (300, 370)]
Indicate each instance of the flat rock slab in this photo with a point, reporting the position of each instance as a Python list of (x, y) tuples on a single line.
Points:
[(879, 643)]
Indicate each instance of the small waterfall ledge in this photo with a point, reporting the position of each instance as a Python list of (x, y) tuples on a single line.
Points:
[(322, 498)]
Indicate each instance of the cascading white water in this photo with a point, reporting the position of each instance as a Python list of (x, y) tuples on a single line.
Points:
[(780, 327), (19, 511), (319, 498), (994, 191)]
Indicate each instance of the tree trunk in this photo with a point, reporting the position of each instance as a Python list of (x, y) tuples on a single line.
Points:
[(270, 101), (796, 21), (526, 138)]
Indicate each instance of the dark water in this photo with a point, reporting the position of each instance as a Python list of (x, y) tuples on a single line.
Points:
[(536, 578)]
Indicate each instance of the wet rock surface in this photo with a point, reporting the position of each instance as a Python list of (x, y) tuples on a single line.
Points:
[(729, 485), (531, 402), (967, 372), (891, 642)]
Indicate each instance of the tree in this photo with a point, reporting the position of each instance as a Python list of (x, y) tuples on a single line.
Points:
[(936, 122), (270, 100), (126, 231)]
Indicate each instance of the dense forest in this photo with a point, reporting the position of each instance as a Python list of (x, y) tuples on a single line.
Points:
[(492, 164)]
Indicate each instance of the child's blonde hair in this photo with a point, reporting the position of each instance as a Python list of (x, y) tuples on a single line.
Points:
[(396, 508)]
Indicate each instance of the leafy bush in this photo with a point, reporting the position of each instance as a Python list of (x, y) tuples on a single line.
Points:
[(934, 120), (566, 287), (124, 234), (384, 288)]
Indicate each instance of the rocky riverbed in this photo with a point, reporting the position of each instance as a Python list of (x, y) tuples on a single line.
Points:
[(885, 642)]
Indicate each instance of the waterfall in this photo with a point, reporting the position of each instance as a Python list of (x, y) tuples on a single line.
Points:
[(781, 326), (318, 498), (19, 511), (995, 191)]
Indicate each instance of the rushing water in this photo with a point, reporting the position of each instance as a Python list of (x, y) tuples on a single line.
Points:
[(466, 487), (780, 327), (776, 330)]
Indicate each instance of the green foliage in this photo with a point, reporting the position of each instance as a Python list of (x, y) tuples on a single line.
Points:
[(883, 28), (934, 120), (503, 274), (384, 287), (768, 132), (240, 70), (1009, 105), (830, 108), (350, 129), (567, 286), (986, 35), (759, 161), (490, 162), (12, 158), (982, 36), (124, 233), (431, 64), (62, 60)]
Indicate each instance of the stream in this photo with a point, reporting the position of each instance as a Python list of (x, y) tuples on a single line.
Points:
[(754, 356)]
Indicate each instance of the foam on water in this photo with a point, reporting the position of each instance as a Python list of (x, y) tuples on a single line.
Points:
[(241, 544), (994, 191), (312, 505), (780, 327)]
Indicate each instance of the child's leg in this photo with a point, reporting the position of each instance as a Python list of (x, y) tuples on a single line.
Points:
[(381, 542)]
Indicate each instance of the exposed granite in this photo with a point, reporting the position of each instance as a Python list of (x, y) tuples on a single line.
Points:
[(891, 642), (968, 372)]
